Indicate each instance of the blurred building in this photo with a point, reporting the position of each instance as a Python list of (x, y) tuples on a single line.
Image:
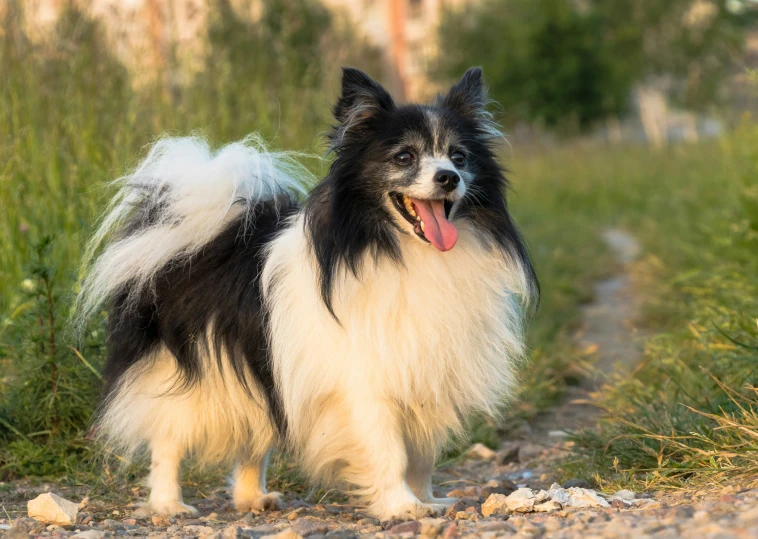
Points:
[(144, 31)]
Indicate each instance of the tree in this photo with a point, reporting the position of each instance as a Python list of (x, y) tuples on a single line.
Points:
[(557, 61)]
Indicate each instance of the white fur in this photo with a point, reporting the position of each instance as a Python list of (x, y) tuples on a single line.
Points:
[(199, 188), (419, 346)]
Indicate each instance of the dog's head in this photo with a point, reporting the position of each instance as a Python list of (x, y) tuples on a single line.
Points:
[(420, 162), (409, 171)]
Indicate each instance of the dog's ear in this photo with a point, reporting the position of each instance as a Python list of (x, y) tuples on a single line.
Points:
[(468, 96), (362, 98)]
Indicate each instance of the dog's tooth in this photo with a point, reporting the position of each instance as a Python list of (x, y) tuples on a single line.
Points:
[(418, 218), (422, 225)]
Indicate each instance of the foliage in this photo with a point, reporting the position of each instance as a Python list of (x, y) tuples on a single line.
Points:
[(555, 63), (692, 405)]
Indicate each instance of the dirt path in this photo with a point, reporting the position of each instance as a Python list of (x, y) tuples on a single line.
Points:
[(481, 481), (608, 329)]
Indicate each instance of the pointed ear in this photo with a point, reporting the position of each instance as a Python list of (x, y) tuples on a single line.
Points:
[(362, 98), (468, 96)]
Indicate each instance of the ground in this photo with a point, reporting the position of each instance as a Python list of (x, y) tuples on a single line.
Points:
[(531, 457)]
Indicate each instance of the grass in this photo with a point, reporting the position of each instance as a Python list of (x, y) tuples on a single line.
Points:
[(72, 120), (688, 414)]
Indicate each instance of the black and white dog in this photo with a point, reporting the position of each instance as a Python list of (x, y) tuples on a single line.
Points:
[(358, 330)]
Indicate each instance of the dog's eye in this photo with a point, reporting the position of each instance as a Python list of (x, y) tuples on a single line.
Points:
[(404, 158), (458, 158)]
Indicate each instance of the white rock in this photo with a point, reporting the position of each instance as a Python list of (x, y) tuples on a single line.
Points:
[(53, 509), (624, 495), (521, 500), (481, 452), (577, 497), (548, 507)]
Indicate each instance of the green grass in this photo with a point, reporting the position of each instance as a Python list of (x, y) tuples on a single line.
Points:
[(689, 412), (72, 120)]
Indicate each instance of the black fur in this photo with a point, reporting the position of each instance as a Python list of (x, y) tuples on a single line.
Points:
[(219, 285)]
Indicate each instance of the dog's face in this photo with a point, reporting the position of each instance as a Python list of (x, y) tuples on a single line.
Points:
[(420, 163)]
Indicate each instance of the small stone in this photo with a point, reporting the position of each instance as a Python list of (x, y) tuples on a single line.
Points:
[(264, 528), (110, 524), (496, 504), (52, 509), (486, 492), (625, 494), (509, 455), (481, 452), (91, 534), (497, 526), (521, 501), (450, 531), (341, 534), (194, 529), (129, 521), (548, 507), (553, 524), (305, 527), (618, 504), (579, 483), (231, 532), (289, 533), (431, 527), (413, 526), (529, 528), (451, 511), (160, 521), (462, 515), (368, 521), (142, 512)]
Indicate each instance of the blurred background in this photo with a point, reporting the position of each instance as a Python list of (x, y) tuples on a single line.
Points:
[(621, 116)]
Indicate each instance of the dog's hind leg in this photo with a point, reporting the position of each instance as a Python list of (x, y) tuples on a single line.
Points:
[(165, 472), (250, 486), (420, 465)]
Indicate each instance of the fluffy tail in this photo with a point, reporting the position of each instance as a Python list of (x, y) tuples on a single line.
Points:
[(180, 197)]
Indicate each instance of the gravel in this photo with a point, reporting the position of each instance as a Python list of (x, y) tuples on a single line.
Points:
[(489, 489)]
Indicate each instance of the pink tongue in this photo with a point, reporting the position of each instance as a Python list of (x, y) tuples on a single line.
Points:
[(437, 229)]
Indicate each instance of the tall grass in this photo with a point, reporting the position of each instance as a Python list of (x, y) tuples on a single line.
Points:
[(689, 411)]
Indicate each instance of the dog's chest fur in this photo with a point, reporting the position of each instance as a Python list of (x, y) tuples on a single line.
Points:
[(438, 335)]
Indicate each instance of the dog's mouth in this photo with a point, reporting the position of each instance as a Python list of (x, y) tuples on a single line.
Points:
[(430, 219)]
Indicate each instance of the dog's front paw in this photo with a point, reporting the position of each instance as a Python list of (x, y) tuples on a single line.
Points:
[(268, 502), (170, 508)]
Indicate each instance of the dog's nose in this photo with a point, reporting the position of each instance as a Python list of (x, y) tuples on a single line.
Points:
[(447, 179)]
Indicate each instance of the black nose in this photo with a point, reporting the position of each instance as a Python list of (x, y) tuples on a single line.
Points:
[(447, 179)]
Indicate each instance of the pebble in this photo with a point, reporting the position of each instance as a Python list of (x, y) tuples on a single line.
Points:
[(481, 452), (413, 526), (52, 509), (305, 527)]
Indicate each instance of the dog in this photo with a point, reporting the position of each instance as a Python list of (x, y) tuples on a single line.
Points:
[(359, 326)]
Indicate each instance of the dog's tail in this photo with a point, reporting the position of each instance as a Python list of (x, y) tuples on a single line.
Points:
[(178, 199)]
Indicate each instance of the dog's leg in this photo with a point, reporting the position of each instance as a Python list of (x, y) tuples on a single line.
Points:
[(383, 469), (250, 487), (420, 466), (165, 487)]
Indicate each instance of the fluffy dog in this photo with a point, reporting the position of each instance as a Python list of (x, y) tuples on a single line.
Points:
[(358, 329)]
